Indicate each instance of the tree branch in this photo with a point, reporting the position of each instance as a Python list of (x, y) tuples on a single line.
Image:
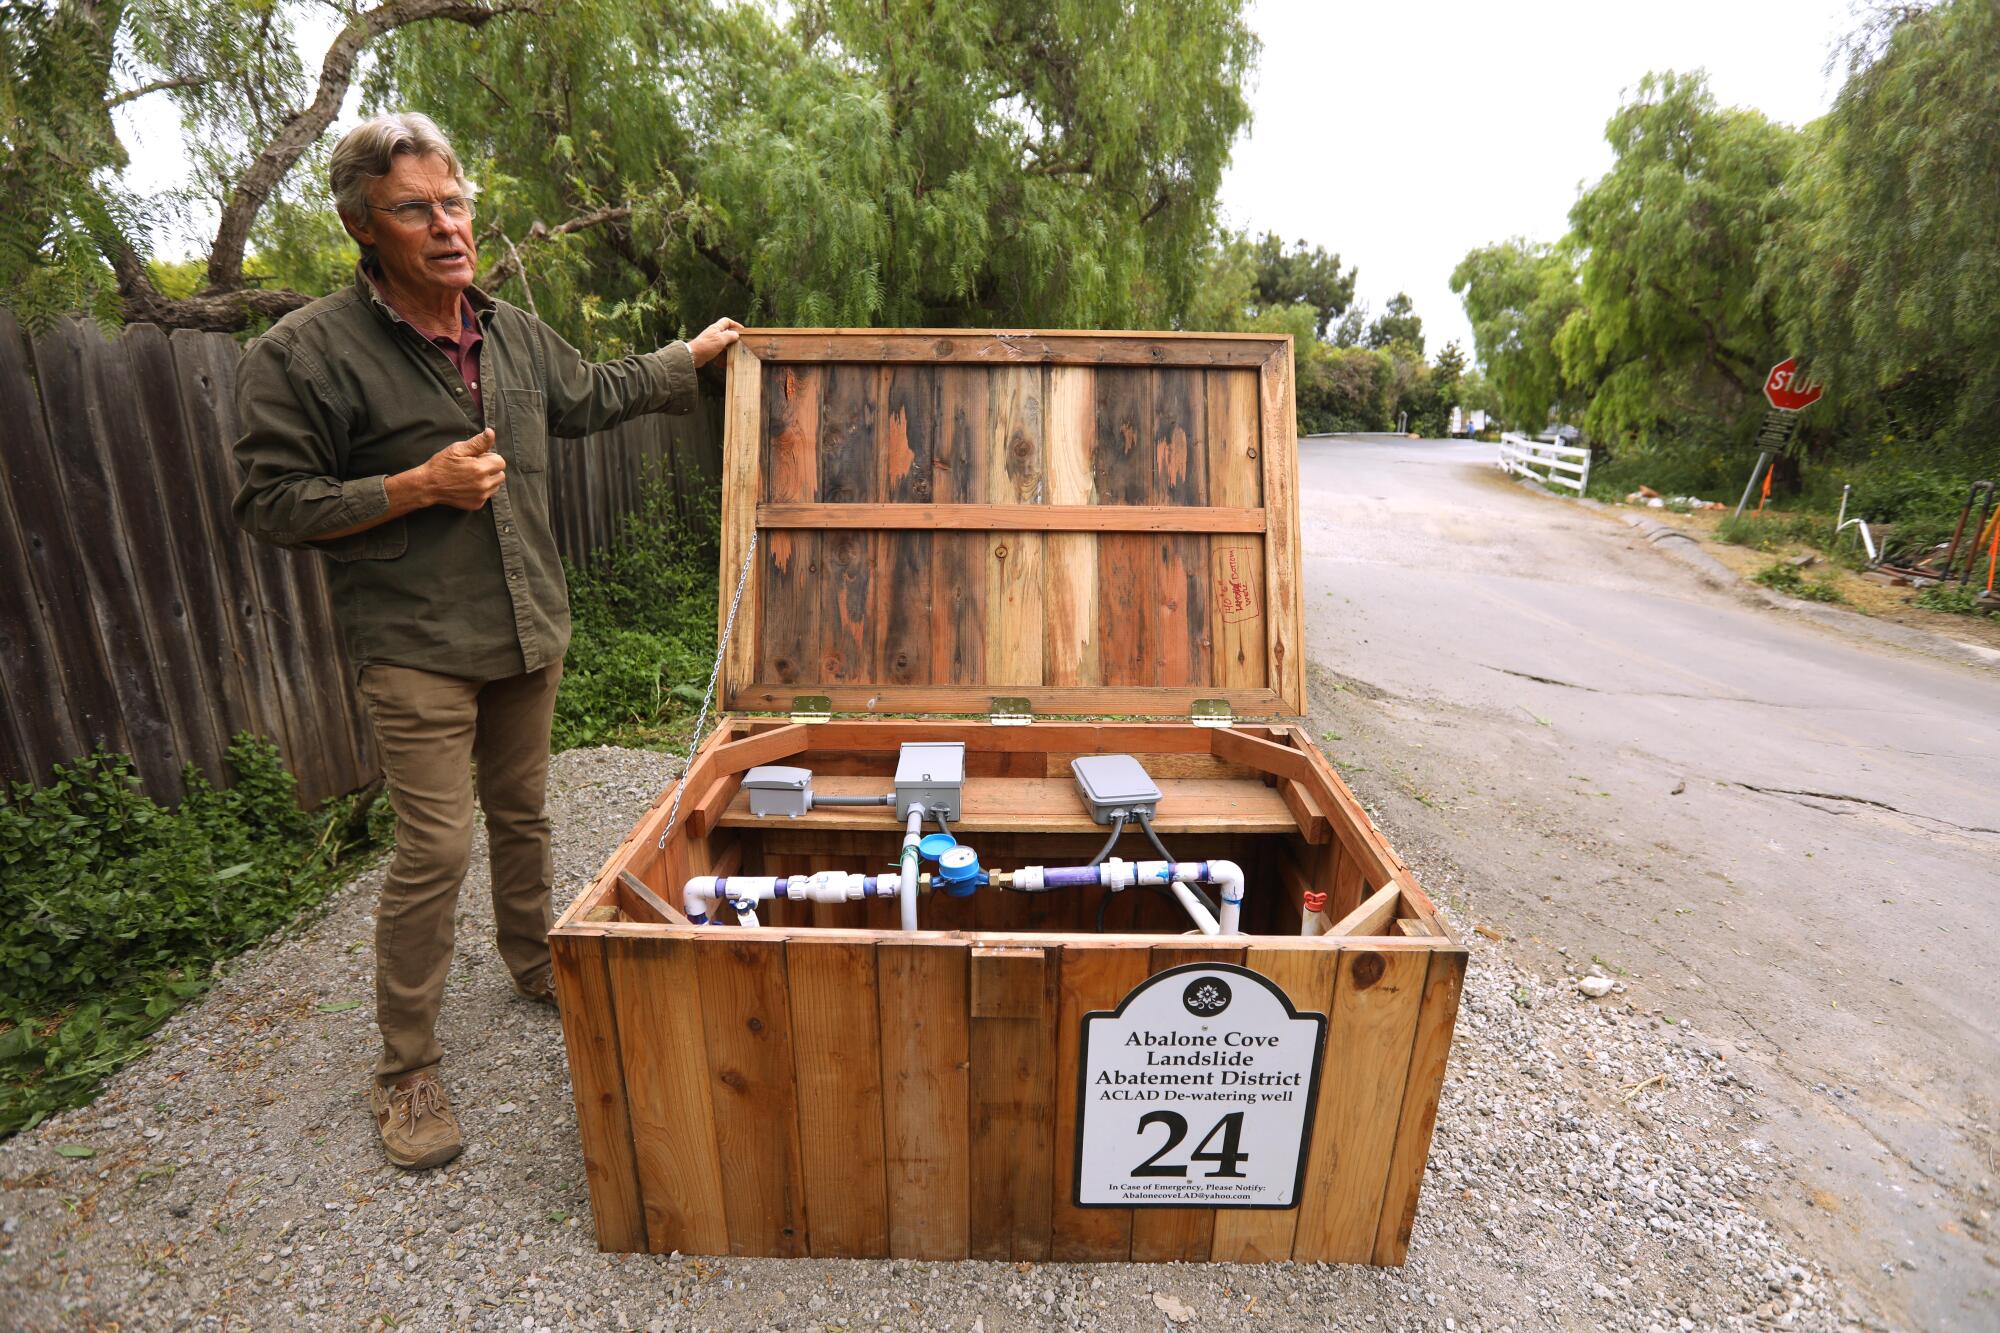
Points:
[(156, 86), (505, 269), (303, 128)]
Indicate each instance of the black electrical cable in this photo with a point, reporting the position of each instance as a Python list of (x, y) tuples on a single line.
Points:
[(1117, 831), (1146, 823)]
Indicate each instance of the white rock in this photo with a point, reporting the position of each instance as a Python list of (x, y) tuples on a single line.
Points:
[(1595, 987)]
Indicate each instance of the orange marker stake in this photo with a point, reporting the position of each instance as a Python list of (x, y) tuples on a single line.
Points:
[(1767, 485), (1993, 555)]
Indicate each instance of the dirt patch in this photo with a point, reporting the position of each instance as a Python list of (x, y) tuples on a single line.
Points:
[(1857, 593)]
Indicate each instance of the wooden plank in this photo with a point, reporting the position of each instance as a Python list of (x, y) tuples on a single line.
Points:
[(1262, 1235), (1069, 569), (642, 904), (1048, 805), (1284, 618), (1007, 517), (1108, 701), (1374, 914), (1094, 978), (1015, 462), (1350, 887), (1377, 994), (766, 747), (1010, 1092), (908, 417), (848, 473), (1443, 984), (925, 1054), (746, 1021), (1265, 756), (51, 666), (1166, 1235), (1236, 567), (666, 1075), (887, 735), (99, 552), (1314, 826), (958, 559), (1180, 481), (703, 814), (213, 707), (1122, 462), (205, 365), (839, 1049), (787, 628), (1010, 347), (597, 1079), (743, 408)]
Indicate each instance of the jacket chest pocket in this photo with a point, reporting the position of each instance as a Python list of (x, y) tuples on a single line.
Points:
[(525, 421)]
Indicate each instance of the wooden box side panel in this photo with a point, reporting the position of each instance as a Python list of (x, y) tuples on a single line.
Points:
[(846, 1095), (1096, 537)]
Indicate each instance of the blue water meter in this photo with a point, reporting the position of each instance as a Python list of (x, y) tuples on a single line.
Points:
[(958, 872)]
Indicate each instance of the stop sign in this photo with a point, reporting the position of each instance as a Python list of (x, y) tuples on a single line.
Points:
[(1785, 393)]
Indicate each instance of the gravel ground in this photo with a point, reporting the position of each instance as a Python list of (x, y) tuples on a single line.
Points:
[(1594, 1167)]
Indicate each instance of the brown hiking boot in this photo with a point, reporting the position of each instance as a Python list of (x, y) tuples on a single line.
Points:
[(543, 992), (417, 1127)]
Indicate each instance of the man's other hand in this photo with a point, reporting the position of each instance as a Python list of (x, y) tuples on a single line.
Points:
[(466, 474), (714, 340)]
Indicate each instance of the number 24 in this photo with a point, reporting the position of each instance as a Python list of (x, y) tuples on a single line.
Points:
[(1227, 1158)]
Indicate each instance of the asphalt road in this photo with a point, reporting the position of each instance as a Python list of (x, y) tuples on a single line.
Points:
[(1787, 837)]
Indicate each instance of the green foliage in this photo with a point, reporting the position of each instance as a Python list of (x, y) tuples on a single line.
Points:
[(643, 637), (1889, 270), (1262, 286), (1344, 389), (114, 909), (1518, 296), (1957, 599), (1398, 326), (1672, 322), (1786, 578), (995, 163)]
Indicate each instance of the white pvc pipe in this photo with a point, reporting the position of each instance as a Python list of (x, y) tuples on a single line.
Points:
[(908, 894), (1227, 877)]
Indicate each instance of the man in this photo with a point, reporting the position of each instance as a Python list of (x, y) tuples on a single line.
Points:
[(401, 428)]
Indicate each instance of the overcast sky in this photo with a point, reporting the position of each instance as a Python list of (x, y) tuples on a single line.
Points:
[(1402, 135)]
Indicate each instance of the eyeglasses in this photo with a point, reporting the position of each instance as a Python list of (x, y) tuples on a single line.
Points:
[(417, 212)]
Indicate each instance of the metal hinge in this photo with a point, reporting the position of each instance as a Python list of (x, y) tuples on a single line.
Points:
[(812, 708), (1010, 711), (1211, 713)]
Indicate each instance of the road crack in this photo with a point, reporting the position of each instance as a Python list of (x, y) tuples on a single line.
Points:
[(1805, 797)]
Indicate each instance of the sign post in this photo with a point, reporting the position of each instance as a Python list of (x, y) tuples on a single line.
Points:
[(1787, 398), (1197, 1090)]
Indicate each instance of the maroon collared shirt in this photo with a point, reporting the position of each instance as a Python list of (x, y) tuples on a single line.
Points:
[(462, 351)]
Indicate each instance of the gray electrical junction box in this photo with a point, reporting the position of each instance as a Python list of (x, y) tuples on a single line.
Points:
[(777, 790), (931, 773), (1109, 782)]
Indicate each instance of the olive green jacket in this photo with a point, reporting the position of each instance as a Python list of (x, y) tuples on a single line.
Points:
[(339, 395)]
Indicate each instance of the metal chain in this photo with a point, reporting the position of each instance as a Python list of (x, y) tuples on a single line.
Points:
[(715, 672)]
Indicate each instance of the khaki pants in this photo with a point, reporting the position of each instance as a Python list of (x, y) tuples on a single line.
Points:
[(429, 731)]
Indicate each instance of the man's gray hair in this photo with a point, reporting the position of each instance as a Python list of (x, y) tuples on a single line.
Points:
[(365, 153)]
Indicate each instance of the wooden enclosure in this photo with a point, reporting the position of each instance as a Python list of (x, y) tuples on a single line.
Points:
[(1066, 523)]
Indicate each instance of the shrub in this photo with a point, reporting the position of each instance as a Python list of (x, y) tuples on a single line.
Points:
[(1787, 579), (113, 909), (1958, 599), (644, 630)]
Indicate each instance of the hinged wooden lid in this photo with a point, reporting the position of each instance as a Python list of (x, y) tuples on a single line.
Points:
[(1100, 523)]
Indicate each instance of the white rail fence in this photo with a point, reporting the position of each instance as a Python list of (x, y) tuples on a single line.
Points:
[(1546, 461)]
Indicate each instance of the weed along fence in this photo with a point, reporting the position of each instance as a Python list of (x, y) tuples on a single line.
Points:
[(918, 964), (133, 612), (1547, 461)]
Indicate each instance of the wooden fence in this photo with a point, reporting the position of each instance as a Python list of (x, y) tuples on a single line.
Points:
[(133, 612)]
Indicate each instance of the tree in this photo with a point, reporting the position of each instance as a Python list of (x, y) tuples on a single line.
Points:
[(1888, 272), (1518, 296), (1398, 324), (1673, 322), (71, 239), (882, 163), (1303, 277)]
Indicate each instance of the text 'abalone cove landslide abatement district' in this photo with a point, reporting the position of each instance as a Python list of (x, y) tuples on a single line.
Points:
[(1197, 1090)]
